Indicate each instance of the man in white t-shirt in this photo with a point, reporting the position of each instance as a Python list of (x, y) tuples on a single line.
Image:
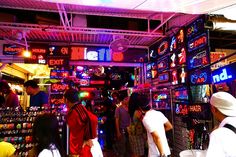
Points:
[(156, 125), (222, 139)]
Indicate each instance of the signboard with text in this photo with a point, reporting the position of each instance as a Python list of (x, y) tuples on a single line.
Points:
[(201, 76), (9, 49)]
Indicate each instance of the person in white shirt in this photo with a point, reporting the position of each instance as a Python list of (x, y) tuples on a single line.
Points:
[(156, 125), (222, 139)]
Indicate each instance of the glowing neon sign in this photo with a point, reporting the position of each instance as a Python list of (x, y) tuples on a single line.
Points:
[(163, 48), (197, 42), (224, 74), (194, 28), (174, 77), (181, 93), (183, 75), (182, 56), (163, 77), (198, 60), (58, 74), (181, 109), (200, 77), (173, 59), (162, 65), (173, 44), (158, 97)]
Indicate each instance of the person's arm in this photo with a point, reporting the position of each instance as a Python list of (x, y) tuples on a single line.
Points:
[(157, 141), (118, 134), (168, 126)]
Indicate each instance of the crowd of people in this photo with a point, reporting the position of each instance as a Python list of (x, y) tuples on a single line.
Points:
[(131, 126)]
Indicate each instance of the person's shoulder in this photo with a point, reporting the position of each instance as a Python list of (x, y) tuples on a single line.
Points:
[(45, 153)]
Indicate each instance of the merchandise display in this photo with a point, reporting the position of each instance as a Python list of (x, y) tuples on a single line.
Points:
[(16, 126)]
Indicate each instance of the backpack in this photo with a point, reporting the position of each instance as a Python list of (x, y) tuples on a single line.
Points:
[(90, 120)]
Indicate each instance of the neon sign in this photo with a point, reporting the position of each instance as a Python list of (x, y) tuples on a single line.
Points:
[(200, 77), (194, 28), (173, 59), (163, 48), (198, 60), (162, 65), (181, 109), (200, 111), (158, 97), (58, 74), (84, 82), (174, 77), (163, 77), (173, 44), (182, 75), (58, 61), (181, 93), (12, 49), (182, 56), (58, 87), (95, 54), (225, 73), (58, 51), (195, 108), (198, 42), (56, 99)]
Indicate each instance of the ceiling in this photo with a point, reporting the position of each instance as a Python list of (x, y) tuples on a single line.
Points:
[(143, 23)]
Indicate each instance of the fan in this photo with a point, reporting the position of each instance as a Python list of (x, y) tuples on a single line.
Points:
[(119, 44)]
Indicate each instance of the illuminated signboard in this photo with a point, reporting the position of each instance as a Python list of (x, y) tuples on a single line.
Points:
[(195, 28), (202, 76), (225, 73), (12, 49), (163, 77), (181, 93), (182, 75), (197, 42), (159, 96), (38, 55), (173, 44), (58, 87), (149, 74), (58, 74), (152, 54), (174, 77), (149, 66), (215, 56), (84, 82), (173, 60), (56, 99), (181, 109), (58, 51), (182, 56), (58, 61), (163, 47), (163, 64), (200, 111), (180, 38), (199, 59)]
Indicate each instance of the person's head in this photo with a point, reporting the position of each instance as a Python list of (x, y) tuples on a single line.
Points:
[(133, 103), (45, 132), (143, 102), (71, 97), (223, 105), (31, 87), (4, 87), (125, 101), (7, 149)]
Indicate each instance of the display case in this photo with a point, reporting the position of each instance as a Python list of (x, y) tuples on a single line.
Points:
[(16, 126)]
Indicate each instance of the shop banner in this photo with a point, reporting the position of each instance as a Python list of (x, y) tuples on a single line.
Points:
[(226, 73)]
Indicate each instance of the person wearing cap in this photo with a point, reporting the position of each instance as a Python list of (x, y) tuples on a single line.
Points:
[(156, 125), (222, 138)]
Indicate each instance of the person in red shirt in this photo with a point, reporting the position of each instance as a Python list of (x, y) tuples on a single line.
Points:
[(80, 138)]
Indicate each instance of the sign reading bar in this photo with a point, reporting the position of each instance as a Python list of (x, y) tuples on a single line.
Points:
[(225, 73)]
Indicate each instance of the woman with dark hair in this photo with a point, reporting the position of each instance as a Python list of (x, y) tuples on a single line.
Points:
[(46, 136)]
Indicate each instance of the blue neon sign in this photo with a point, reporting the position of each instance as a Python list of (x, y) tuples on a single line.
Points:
[(225, 73)]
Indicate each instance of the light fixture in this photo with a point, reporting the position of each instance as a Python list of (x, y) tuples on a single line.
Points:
[(27, 54)]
